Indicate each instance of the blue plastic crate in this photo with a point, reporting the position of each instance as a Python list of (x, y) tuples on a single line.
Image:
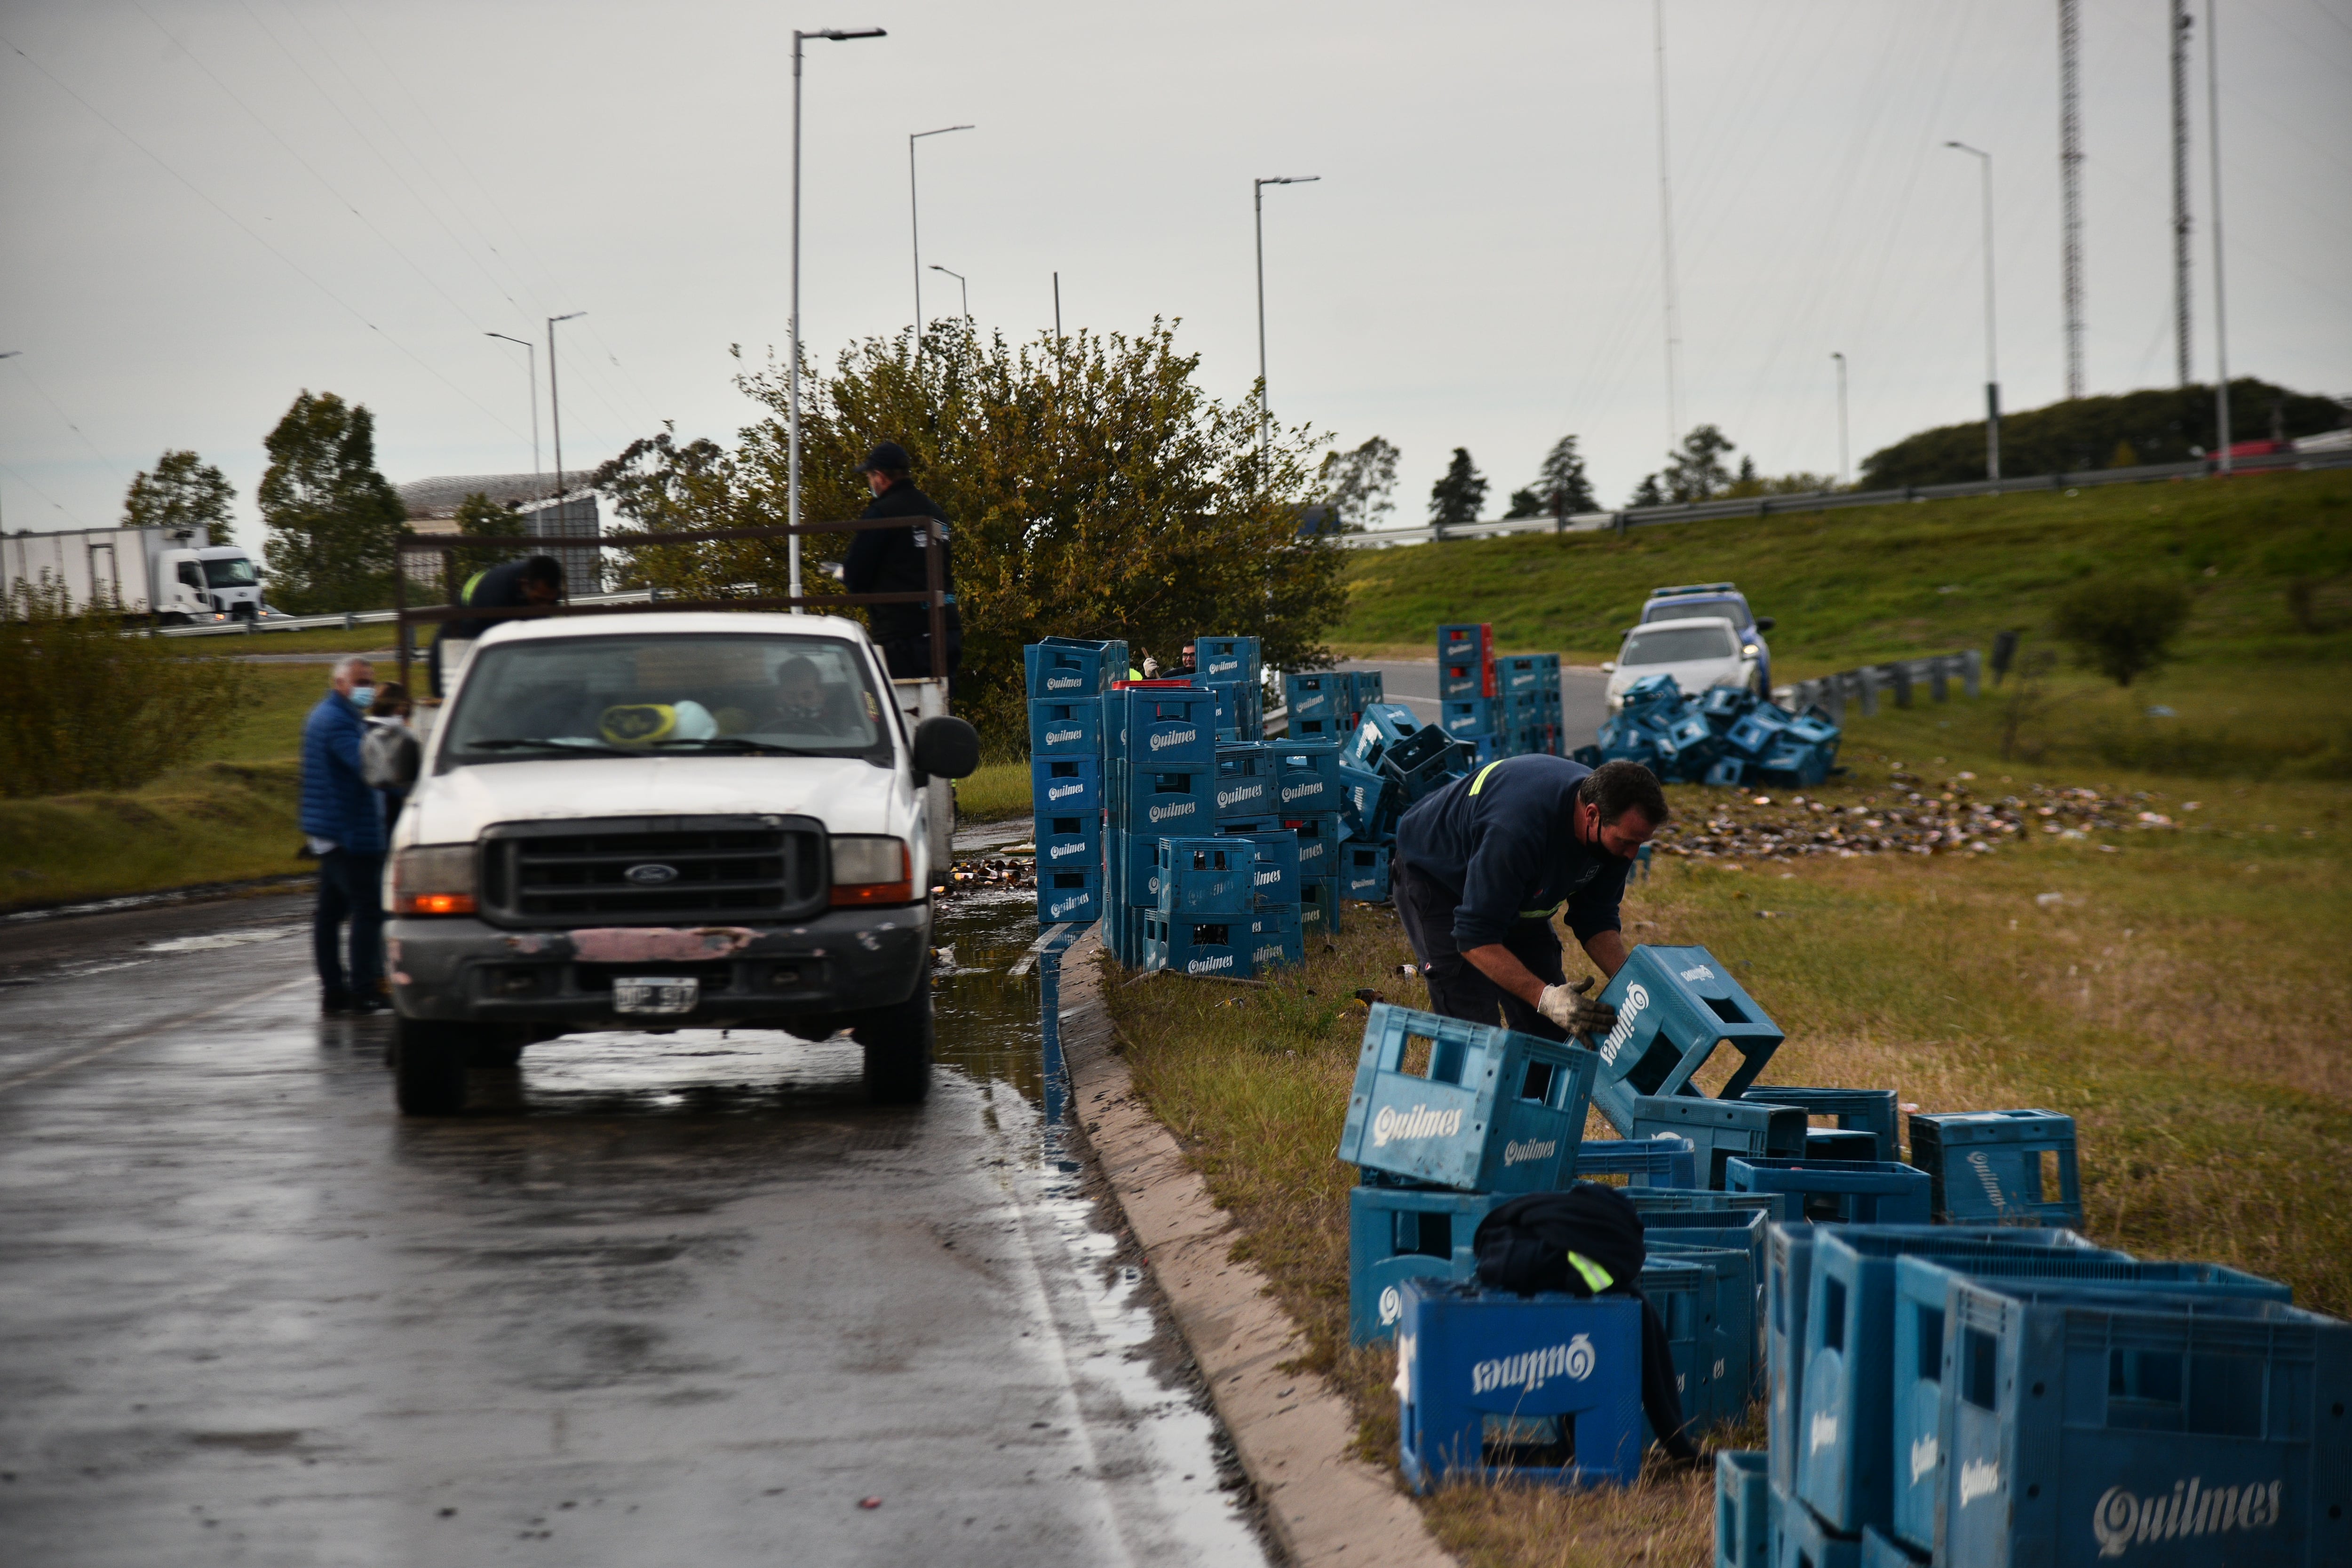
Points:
[(1274, 879), (1731, 1370), (2083, 1435), (1364, 873), (1686, 1292), (1743, 1510), (1244, 780), (1159, 800), (1320, 834), (1801, 1540), (1161, 726), (1757, 730), (1725, 705), (1378, 726), (1466, 678), (1131, 869), (1397, 1233), (1458, 639), (1922, 1357), (1422, 762), (1057, 668), (1652, 691), (1320, 696), (1675, 1006), (2014, 1166), (1332, 729), (1720, 1129), (1122, 932), (1069, 843), (1728, 772), (1276, 941), (1667, 1161), (1065, 729), (1366, 803), (1654, 1201), (1841, 1191), (1846, 1396), (1371, 686), (1068, 896), (1061, 784), (1201, 877), (1492, 1111), (1473, 717), (1545, 1390), (1318, 908), (1787, 762), (1883, 1551), (1836, 1144), (1231, 659), (1238, 714), (1231, 946), (1307, 777), (1872, 1110)]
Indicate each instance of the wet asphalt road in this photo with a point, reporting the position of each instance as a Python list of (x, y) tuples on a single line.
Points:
[(1582, 694), (683, 1299)]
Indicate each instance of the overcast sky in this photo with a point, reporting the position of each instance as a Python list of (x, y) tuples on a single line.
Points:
[(205, 207)]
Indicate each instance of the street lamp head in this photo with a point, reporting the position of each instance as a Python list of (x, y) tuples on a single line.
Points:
[(1290, 180), (842, 36), (918, 135), (572, 317)]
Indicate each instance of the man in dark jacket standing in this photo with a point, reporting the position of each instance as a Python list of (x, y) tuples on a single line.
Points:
[(1483, 865), (895, 560), (342, 824), (518, 584)]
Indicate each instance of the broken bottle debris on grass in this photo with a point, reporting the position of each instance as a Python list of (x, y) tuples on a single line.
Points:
[(1005, 873)]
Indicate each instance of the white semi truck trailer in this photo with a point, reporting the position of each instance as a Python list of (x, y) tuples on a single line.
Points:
[(159, 572)]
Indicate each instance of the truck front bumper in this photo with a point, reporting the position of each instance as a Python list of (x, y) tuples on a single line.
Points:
[(458, 969)]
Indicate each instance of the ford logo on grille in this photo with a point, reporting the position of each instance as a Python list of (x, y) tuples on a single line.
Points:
[(651, 876)]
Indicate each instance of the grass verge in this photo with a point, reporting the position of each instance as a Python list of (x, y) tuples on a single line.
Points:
[(2184, 998), (218, 822), (996, 791)]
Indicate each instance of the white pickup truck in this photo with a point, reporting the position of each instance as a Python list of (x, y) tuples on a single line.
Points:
[(664, 820)]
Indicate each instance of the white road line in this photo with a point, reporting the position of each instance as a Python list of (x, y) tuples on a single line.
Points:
[(133, 1039)]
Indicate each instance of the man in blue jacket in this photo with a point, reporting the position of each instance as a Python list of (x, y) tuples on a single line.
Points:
[(342, 824), (1483, 865)]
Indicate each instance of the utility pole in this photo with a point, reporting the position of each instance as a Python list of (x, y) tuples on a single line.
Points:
[(1666, 236), (1992, 357), (1257, 205), (530, 370), (1841, 364), (2180, 24), (2070, 184), (1057, 307), (915, 225), (964, 282), (555, 407), (2220, 320)]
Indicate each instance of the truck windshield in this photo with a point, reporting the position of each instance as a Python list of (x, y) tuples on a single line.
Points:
[(234, 573), (1677, 644), (667, 695)]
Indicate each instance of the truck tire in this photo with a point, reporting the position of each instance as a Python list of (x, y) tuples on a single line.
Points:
[(428, 1067), (898, 1041)]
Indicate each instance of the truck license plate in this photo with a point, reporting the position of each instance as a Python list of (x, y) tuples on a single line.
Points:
[(656, 995)]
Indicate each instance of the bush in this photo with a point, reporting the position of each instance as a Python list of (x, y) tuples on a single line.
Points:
[(85, 706), (2123, 629)]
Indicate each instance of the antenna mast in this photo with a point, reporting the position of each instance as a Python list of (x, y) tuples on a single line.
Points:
[(2070, 183), (2180, 225)]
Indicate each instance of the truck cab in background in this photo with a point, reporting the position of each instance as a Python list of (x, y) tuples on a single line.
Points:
[(162, 573)]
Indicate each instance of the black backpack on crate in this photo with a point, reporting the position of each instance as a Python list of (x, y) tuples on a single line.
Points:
[(1525, 1246)]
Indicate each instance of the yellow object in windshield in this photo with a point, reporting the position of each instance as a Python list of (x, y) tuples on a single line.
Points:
[(638, 723)]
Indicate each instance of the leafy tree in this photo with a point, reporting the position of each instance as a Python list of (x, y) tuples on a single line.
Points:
[(479, 517), (1095, 489), (1695, 470), (1459, 492), (1356, 485), (1561, 489), (184, 491), (2121, 628), (333, 521), (1647, 493)]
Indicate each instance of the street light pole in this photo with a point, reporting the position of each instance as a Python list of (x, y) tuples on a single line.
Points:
[(11, 353), (555, 407), (915, 224), (530, 370), (1841, 364), (960, 278), (2221, 318), (792, 458), (1257, 204), (1993, 365)]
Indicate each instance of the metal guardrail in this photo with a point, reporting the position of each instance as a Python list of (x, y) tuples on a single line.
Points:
[(1901, 679), (350, 620), (1831, 501)]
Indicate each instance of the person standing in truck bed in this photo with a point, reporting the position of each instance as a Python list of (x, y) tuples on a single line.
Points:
[(895, 560)]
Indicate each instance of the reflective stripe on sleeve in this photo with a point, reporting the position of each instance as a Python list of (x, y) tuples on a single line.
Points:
[(1480, 782), (1596, 1276)]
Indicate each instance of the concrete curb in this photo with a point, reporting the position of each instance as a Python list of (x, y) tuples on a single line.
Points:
[(1293, 1430)]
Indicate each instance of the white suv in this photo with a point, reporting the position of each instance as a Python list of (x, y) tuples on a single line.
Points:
[(655, 821), (1698, 651)]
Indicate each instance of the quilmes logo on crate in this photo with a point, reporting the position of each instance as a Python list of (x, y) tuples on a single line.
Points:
[(1083, 899), (1066, 789), (1057, 737), (1302, 789), (1159, 814), (1985, 1178), (1924, 1451), (1263, 875), (1242, 790), (1637, 996), (1067, 683), (2121, 1520), (1394, 1126), (1229, 665), (1272, 952), (1161, 739), (1064, 851), (1210, 964), (1533, 1149), (1530, 1370)]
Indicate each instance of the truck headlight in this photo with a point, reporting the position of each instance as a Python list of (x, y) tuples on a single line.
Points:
[(871, 869), (434, 879)]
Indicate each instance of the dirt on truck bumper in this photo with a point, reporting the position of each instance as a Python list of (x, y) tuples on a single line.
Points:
[(455, 969)]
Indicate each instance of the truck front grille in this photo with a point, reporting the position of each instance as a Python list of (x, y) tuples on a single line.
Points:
[(654, 871)]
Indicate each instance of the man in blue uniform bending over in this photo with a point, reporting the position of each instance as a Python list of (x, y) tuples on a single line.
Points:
[(1484, 864)]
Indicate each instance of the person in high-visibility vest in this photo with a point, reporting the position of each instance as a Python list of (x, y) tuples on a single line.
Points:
[(534, 580), (1483, 865)]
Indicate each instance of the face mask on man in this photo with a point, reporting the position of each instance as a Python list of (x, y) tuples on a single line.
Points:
[(362, 696)]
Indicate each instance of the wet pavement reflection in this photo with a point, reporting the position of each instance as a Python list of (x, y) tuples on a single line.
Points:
[(654, 1298)]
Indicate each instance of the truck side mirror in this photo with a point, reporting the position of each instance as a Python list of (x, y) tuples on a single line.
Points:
[(947, 747), (1764, 623)]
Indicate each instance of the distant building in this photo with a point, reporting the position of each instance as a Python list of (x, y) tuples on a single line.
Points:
[(432, 505)]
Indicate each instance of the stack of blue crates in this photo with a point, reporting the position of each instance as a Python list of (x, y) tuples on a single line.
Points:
[(1309, 801), (1228, 666), (1995, 1394), (1221, 909), (1066, 679), (1160, 773)]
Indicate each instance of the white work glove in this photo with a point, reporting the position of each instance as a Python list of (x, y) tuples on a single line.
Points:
[(1567, 1006)]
